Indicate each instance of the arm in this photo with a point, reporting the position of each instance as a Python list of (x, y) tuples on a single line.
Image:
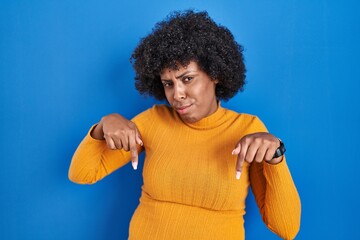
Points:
[(108, 146), (276, 197), (270, 180)]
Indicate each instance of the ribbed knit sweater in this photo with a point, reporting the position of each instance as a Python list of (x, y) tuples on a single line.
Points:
[(190, 190)]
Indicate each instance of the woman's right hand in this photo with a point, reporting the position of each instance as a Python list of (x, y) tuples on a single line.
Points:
[(119, 133)]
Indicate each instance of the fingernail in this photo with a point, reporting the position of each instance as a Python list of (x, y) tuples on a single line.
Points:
[(134, 165), (238, 174), (142, 144), (233, 152)]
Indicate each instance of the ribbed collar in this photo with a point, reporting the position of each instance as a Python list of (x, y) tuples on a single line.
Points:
[(211, 121)]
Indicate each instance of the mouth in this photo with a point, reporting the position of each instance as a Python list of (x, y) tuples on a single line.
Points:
[(183, 109)]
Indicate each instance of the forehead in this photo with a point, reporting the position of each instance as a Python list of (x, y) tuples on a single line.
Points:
[(192, 66)]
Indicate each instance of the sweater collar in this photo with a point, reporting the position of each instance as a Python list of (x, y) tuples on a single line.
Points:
[(213, 120)]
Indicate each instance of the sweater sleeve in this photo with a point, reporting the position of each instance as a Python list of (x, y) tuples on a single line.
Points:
[(93, 160), (276, 195)]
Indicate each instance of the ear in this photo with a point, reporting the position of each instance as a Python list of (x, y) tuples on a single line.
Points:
[(216, 81)]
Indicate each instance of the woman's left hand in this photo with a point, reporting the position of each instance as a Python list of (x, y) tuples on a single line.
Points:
[(258, 147)]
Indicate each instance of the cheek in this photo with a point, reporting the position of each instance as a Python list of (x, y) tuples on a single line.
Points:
[(168, 95), (204, 92), (196, 91)]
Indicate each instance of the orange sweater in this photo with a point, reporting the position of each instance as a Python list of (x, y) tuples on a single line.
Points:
[(190, 190)]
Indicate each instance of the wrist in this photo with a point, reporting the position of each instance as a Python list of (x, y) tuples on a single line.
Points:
[(280, 150), (275, 161), (279, 153)]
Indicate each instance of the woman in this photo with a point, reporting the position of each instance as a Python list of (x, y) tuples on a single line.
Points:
[(200, 158)]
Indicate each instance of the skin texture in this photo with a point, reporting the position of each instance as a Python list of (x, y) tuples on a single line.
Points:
[(191, 92), (119, 133), (258, 147)]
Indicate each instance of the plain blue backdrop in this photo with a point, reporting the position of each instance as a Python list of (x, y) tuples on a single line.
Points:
[(64, 64)]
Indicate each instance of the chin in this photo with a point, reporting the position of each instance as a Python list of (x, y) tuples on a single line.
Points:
[(190, 119)]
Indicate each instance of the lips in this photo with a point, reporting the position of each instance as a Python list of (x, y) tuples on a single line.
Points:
[(183, 109)]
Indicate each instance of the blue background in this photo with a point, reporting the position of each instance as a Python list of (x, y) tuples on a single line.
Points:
[(64, 64)]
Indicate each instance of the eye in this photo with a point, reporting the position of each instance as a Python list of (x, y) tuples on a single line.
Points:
[(167, 84), (187, 79)]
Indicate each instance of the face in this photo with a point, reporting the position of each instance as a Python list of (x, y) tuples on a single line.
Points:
[(190, 91)]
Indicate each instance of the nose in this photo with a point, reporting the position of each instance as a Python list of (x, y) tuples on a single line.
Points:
[(179, 92)]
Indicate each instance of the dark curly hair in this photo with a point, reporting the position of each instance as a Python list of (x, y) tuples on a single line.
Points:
[(188, 36)]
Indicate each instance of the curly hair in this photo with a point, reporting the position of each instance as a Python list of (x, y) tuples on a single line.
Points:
[(188, 36)]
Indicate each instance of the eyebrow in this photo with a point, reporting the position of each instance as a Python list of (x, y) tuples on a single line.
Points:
[(183, 74), (180, 76)]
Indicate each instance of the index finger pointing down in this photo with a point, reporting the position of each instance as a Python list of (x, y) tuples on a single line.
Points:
[(239, 163), (134, 157), (133, 151)]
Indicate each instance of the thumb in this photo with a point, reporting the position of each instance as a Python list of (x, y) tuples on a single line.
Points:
[(236, 150), (138, 138)]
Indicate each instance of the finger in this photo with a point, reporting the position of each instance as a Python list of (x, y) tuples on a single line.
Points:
[(125, 143), (269, 154), (241, 159), (260, 154), (251, 152), (138, 138), (236, 149), (133, 151), (134, 157), (118, 143), (109, 142), (239, 167)]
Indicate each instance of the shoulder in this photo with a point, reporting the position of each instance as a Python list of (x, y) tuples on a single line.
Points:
[(244, 117), (156, 111), (161, 110), (246, 120)]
